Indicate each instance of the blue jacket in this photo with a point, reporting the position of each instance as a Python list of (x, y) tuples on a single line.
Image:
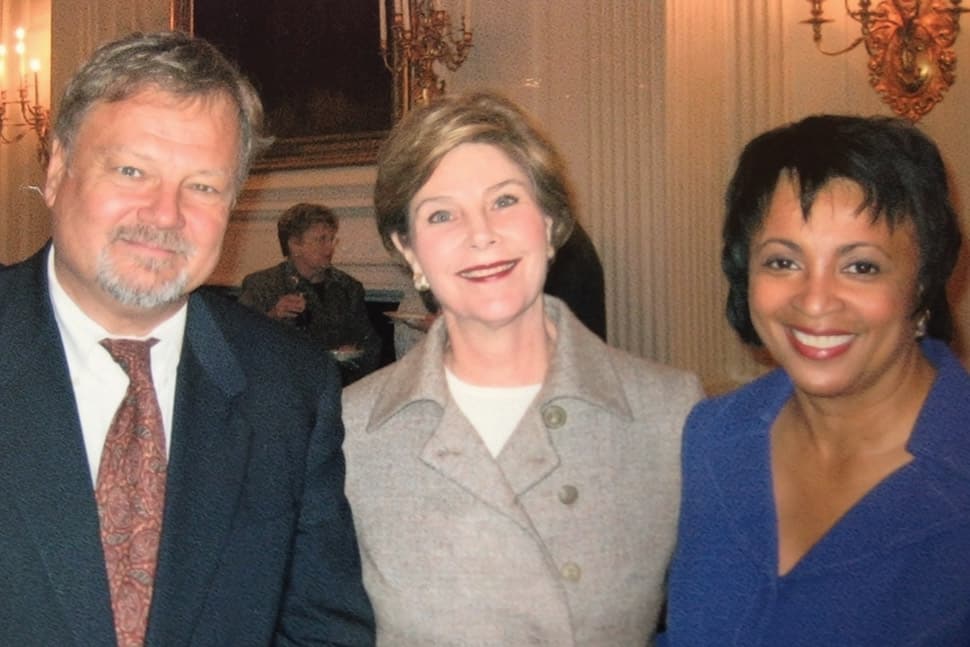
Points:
[(895, 570)]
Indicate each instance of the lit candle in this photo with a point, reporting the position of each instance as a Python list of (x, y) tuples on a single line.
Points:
[(382, 5), (21, 49), (467, 19), (35, 68), (406, 5)]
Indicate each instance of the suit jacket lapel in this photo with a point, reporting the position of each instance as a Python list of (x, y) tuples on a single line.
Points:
[(454, 449), (529, 455), (457, 452), (741, 471), (209, 449), (739, 463), (43, 463)]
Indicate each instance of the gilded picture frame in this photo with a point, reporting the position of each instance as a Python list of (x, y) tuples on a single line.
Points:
[(329, 99)]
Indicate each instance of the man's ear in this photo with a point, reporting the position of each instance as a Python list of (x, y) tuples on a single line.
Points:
[(56, 168)]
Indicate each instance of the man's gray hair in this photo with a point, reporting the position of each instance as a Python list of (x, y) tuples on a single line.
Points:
[(173, 62)]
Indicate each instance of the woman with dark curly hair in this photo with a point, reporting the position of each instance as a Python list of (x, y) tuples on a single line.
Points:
[(828, 502)]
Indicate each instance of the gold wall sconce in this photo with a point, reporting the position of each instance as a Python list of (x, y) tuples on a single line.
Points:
[(421, 35), (19, 112), (910, 46)]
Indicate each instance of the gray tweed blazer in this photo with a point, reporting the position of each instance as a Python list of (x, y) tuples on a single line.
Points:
[(562, 540)]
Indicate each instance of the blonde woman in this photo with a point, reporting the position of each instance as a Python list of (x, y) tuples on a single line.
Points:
[(514, 481)]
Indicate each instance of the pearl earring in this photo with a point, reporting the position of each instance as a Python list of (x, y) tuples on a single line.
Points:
[(421, 282)]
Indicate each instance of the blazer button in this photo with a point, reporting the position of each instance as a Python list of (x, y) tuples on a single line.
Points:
[(570, 572), (568, 494), (554, 416)]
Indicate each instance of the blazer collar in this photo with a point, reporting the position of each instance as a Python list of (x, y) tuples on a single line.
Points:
[(42, 455), (941, 429), (206, 472), (579, 369), (737, 456), (27, 308)]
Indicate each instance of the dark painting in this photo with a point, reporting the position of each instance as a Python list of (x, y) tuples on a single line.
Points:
[(316, 63)]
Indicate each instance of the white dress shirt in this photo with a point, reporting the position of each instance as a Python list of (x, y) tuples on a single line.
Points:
[(99, 382)]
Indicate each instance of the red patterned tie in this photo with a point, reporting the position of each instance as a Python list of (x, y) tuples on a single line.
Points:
[(131, 492)]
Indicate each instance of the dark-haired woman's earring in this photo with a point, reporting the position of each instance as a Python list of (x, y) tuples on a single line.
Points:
[(550, 251), (921, 324), (421, 282)]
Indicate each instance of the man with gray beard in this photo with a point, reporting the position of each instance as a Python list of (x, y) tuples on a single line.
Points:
[(170, 462)]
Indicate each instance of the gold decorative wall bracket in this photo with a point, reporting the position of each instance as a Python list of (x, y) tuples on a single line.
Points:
[(910, 47), (421, 35), (20, 115), (32, 116)]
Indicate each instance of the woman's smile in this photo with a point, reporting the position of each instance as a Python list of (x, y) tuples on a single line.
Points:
[(488, 272), (820, 345)]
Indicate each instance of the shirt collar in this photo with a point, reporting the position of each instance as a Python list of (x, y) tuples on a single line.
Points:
[(81, 334)]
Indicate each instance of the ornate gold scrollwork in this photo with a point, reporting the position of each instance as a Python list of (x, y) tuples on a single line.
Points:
[(910, 47)]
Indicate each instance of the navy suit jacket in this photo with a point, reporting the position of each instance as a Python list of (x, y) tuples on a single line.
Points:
[(257, 543)]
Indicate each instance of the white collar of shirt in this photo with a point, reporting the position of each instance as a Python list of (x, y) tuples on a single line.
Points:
[(494, 411), (99, 383)]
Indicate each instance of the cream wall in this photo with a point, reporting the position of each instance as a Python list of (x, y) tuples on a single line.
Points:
[(650, 105)]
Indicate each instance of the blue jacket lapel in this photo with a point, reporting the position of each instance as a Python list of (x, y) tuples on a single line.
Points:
[(738, 461), (43, 464), (209, 450)]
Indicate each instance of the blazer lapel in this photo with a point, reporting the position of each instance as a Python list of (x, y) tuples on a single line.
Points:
[(742, 474), (529, 455), (740, 466), (43, 463), (209, 449), (456, 451)]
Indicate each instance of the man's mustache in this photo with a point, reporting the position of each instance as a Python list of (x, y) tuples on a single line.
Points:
[(144, 234)]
